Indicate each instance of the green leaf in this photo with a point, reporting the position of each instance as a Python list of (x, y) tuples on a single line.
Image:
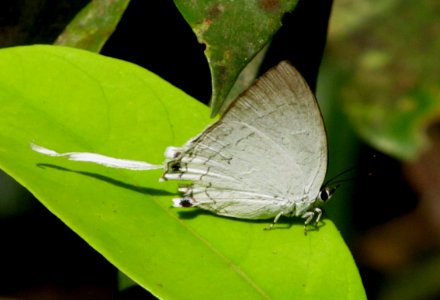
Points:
[(93, 25), (73, 100), (233, 33)]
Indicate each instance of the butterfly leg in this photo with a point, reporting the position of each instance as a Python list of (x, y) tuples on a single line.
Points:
[(274, 221), (318, 212), (309, 217)]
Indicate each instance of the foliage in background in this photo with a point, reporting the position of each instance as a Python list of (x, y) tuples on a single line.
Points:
[(387, 74), (231, 45), (93, 25), (381, 66)]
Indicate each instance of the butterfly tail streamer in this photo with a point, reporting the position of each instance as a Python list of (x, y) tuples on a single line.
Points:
[(99, 159)]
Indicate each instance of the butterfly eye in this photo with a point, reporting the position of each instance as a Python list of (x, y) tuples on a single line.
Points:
[(326, 193)]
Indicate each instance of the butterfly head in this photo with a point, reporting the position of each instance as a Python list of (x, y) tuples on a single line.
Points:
[(325, 194)]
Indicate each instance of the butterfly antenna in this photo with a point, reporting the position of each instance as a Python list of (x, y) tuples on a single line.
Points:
[(335, 179)]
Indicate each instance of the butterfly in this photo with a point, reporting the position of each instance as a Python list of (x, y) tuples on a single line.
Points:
[(266, 157)]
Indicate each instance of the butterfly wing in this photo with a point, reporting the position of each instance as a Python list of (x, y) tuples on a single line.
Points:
[(264, 156)]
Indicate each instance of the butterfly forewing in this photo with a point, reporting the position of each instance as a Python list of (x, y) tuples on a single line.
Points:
[(267, 153)]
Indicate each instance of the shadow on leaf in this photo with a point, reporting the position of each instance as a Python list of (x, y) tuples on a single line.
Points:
[(139, 189), (282, 224)]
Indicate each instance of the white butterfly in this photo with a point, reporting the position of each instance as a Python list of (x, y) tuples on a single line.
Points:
[(265, 158)]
